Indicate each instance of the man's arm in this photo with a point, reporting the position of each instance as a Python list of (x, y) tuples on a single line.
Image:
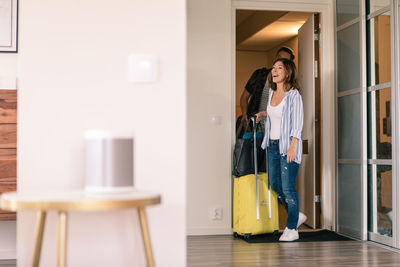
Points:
[(248, 91), (244, 100)]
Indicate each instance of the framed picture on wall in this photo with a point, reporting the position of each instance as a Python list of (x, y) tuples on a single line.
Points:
[(8, 25)]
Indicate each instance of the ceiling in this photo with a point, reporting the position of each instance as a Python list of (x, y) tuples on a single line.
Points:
[(264, 30)]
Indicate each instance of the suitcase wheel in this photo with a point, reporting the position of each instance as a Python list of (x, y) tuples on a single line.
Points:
[(235, 235), (247, 236), (276, 232)]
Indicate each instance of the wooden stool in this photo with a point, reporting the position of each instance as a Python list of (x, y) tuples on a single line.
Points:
[(63, 202)]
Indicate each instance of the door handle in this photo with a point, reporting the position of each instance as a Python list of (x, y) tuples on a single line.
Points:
[(305, 146)]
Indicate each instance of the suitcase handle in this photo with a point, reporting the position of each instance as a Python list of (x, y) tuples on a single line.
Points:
[(255, 165), (253, 118)]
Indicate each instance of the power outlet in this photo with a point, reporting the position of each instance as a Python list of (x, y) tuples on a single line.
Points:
[(216, 214)]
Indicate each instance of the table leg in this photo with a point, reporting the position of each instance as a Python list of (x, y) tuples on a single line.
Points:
[(39, 229), (146, 237), (62, 239)]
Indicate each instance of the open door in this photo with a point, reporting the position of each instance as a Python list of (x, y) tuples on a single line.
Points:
[(307, 75)]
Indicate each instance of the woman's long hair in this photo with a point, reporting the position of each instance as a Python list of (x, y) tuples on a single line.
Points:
[(291, 78)]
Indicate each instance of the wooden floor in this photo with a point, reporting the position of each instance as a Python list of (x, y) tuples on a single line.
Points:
[(224, 250)]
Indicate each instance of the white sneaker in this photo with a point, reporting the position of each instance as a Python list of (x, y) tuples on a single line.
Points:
[(302, 219), (291, 235), (284, 233)]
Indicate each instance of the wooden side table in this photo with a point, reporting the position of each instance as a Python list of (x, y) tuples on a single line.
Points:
[(63, 202)]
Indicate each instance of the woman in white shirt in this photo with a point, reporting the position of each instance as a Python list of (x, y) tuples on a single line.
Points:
[(284, 124)]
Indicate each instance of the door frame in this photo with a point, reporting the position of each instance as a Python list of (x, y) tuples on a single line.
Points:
[(309, 174), (395, 35), (328, 92)]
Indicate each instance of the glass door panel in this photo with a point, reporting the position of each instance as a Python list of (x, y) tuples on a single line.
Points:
[(380, 199), (349, 182), (379, 58), (349, 132), (379, 123), (348, 58), (375, 5), (349, 200), (346, 10)]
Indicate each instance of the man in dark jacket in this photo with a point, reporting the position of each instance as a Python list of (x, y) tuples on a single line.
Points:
[(256, 89)]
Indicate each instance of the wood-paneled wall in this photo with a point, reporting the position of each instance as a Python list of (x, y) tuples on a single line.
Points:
[(8, 146)]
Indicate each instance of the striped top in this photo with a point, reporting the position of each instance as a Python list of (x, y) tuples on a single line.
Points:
[(264, 98), (291, 123)]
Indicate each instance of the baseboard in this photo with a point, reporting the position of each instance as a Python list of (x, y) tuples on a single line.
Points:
[(209, 231), (8, 254)]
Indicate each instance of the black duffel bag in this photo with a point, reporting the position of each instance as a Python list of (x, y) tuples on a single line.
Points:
[(243, 156)]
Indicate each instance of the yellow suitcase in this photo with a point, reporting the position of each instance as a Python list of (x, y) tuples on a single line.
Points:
[(252, 216)]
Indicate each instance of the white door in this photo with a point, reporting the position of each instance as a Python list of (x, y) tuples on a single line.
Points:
[(306, 178)]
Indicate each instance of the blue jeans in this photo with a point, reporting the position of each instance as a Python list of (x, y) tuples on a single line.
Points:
[(283, 177)]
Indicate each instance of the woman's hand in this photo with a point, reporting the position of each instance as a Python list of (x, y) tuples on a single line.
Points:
[(260, 115), (291, 154)]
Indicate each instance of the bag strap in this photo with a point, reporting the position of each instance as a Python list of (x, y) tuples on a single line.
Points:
[(241, 146), (241, 127)]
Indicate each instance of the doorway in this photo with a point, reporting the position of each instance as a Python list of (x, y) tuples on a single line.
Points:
[(259, 35), (327, 194)]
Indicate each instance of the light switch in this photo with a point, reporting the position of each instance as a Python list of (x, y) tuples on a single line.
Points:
[(142, 68), (216, 120)]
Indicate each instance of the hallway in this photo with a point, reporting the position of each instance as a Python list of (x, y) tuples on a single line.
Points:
[(224, 250)]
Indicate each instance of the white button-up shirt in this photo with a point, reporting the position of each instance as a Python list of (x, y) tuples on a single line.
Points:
[(291, 123)]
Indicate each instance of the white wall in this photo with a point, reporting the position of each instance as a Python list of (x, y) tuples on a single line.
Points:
[(73, 76), (8, 70), (209, 94), (8, 234), (8, 64)]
